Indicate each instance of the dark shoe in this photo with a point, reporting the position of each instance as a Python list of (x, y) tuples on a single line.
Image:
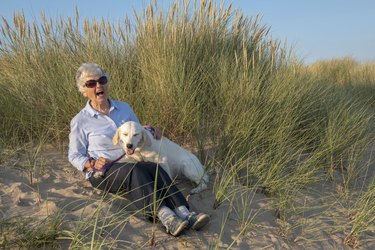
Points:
[(197, 221), (175, 225)]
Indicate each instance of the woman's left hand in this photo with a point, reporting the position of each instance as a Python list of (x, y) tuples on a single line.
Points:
[(155, 132)]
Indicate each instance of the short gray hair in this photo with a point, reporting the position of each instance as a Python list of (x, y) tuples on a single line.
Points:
[(87, 69)]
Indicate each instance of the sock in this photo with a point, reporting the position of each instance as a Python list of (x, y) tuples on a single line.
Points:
[(182, 212), (164, 214)]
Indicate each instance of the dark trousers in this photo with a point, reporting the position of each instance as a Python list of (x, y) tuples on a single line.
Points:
[(137, 182)]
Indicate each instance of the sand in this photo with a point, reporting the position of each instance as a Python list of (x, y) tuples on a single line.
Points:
[(58, 188)]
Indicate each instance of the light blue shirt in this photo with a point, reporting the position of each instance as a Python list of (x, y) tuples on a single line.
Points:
[(91, 133)]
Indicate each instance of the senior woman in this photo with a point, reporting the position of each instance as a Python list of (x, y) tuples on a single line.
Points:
[(91, 151)]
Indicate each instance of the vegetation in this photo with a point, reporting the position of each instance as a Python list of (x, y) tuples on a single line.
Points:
[(207, 75), (21, 233)]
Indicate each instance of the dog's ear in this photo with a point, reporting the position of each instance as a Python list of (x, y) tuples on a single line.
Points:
[(116, 137), (146, 138)]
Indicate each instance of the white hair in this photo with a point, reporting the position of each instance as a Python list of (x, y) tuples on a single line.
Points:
[(87, 69)]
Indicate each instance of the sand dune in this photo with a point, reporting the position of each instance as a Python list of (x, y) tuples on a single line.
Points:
[(59, 188)]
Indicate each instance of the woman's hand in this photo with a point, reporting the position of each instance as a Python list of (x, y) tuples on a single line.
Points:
[(155, 132), (96, 165), (100, 163)]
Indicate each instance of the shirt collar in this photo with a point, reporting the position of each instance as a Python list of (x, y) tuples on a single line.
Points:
[(113, 105), (93, 112)]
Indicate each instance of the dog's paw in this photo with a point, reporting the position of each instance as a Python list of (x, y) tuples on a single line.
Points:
[(198, 189)]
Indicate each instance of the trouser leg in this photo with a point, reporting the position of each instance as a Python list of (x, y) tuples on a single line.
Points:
[(137, 183), (169, 192)]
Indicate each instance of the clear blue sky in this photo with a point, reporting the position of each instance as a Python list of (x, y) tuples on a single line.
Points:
[(317, 29)]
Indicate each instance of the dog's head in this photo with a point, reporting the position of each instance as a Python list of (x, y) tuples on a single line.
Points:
[(132, 135)]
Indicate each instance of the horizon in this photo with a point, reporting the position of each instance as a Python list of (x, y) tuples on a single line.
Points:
[(316, 30)]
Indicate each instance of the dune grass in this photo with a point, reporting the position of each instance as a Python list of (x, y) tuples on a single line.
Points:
[(210, 77), (27, 233)]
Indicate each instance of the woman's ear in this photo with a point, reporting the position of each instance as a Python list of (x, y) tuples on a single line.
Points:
[(146, 138), (116, 137)]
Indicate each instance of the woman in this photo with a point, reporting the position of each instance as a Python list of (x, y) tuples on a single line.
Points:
[(91, 151)]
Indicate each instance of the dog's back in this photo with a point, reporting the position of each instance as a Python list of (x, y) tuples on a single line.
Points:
[(167, 153), (176, 161)]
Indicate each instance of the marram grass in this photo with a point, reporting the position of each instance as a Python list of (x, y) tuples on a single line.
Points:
[(207, 75)]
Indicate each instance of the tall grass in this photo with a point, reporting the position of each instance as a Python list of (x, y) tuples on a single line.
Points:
[(206, 75)]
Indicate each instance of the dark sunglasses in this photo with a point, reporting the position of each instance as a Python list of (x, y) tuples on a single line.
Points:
[(92, 83)]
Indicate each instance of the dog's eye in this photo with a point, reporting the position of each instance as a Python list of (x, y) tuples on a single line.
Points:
[(125, 134), (135, 134)]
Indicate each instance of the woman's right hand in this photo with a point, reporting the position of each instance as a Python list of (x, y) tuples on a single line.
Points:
[(100, 163), (97, 164)]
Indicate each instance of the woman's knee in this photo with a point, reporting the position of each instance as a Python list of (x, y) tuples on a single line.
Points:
[(145, 168), (146, 172), (121, 171), (153, 168), (141, 172)]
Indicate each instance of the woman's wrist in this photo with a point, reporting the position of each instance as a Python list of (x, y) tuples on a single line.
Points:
[(89, 164)]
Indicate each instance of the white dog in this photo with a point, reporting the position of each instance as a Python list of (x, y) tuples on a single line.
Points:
[(140, 145)]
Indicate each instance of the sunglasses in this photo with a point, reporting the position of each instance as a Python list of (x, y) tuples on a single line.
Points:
[(92, 83)]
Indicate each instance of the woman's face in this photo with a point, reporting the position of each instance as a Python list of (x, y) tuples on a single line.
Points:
[(98, 93)]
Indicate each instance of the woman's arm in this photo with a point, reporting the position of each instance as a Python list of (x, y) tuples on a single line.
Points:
[(78, 143)]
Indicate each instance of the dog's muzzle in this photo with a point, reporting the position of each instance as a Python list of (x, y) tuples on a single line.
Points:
[(129, 149)]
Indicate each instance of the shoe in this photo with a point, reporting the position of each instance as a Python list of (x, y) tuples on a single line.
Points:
[(197, 221), (175, 225)]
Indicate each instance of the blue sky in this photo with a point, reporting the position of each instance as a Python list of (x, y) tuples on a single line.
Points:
[(317, 29)]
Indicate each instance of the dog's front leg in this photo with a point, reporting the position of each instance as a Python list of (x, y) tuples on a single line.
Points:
[(136, 157), (166, 168), (127, 159)]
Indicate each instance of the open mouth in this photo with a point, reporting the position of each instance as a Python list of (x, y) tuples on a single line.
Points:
[(129, 151), (99, 92)]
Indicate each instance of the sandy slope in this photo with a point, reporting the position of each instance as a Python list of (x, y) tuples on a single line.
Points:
[(60, 188)]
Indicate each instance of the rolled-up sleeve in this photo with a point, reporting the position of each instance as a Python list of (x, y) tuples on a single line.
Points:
[(77, 146)]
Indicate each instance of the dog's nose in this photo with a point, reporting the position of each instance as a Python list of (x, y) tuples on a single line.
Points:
[(129, 145)]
